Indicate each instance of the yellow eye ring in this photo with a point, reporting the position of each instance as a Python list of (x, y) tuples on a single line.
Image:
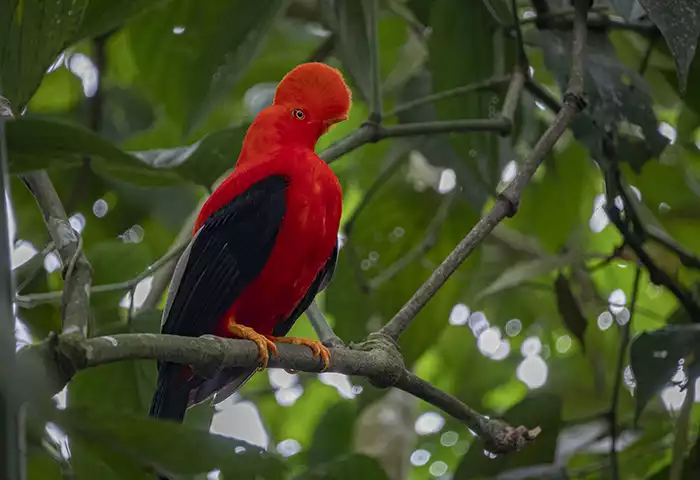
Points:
[(298, 114)]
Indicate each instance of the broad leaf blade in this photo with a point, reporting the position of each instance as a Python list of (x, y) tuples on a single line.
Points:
[(348, 467), (33, 34), (679, 22), (654, 358), (36, 143), (569, 309), (209, 48), (166, 446), (104, 15)]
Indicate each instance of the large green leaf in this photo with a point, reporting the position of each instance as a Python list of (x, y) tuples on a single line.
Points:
[(37, 143), (203, 162), (455, 25), (655, 356), (394, 222), (348, 467), (33, 33), (103, 15), (679, 22), (190, 54), (333, 435), (167, 447)]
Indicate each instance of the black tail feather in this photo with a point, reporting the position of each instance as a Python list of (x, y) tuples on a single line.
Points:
[(172, 394)]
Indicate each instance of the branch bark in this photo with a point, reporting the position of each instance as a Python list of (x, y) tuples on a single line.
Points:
[(77, 272), (508, 200), (377, 359)]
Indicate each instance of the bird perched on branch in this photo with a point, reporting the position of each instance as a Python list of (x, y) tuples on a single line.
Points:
[(265, 242)]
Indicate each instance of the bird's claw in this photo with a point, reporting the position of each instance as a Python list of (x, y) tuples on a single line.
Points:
[(318, 349), (263, 342)]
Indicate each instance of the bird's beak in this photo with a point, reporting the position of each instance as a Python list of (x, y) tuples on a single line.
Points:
[(335, 120)]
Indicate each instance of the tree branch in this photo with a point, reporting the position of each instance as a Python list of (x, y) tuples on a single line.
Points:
[(507, 203), (323, 329), (77, 273), (376, 359), (33, 299)]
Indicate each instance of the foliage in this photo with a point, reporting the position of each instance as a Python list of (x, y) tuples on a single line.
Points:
[(138, 108)]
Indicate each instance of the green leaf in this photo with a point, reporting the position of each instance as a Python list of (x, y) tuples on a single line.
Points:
[(347, 19), (40, 466), (456, 24), (525, 271), (654, 358), (537, 409), (349, 467), (615, 94), (679, 22), (569, 309), (203, 162), (33, 33), (191, 54), (333, 435), (60, 90), (166, 446), (38, 143), (104, 15), (627, 9), (394, 222)]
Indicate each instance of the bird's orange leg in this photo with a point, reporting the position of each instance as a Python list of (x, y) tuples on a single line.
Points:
[(316, 347), (262, 341)]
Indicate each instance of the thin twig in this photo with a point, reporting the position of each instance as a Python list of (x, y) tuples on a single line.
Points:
[(634, 237), (33, 299), (489, 83), (624, 342), (426, 244), (75, 305), (323, 329), (542, 94), (26, 272), (323, 50), (507, 203)]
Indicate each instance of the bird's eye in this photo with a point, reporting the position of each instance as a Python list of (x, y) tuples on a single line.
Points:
[(298, 114)]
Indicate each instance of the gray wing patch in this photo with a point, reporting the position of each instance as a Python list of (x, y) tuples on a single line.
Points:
[(177, 277)]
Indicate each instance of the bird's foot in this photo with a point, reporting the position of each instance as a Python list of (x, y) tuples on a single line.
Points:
[(316, 347), (262, 341)]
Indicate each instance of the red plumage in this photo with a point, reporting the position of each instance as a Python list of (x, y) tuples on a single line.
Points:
[(264, 243)]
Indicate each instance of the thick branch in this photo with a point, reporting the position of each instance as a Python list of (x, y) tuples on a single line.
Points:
[(377, 359), (507, 203), (77, 273)]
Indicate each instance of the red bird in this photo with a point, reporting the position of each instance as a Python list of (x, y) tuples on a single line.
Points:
[(265, 242)]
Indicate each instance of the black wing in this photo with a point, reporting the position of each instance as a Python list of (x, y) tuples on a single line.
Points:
[(226, 382), (226, 255)]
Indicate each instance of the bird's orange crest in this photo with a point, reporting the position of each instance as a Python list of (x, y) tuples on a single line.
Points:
[(317, 87)]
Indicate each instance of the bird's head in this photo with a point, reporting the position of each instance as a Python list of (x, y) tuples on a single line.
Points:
[(311, 98)]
